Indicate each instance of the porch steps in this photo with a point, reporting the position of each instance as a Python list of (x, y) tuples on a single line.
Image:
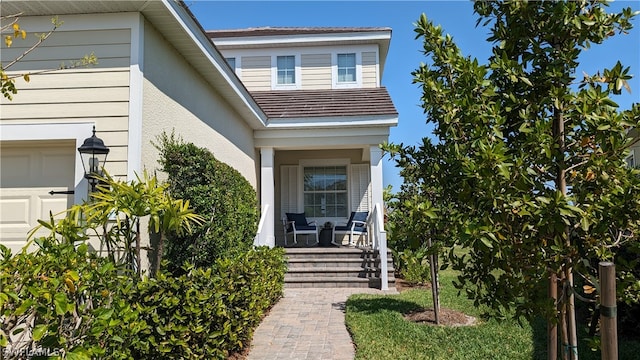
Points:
[(326, 267)]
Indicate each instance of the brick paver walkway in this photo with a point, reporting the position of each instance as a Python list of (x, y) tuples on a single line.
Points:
[(306, 324)]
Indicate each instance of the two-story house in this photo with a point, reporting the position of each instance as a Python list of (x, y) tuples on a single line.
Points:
[(327, 114), (300, 112)]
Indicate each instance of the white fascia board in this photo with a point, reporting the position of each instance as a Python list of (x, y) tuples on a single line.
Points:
[(314, 141), (321, 133), (208, 50), (339, 121), (302, 39)]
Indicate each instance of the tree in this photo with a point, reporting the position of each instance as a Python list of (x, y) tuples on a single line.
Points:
[(527, 170), (7, 80)]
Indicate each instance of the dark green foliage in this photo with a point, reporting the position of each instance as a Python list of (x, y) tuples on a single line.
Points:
[(208, 313), (217, 192), (526, 169), (68, 300), (83, 305)]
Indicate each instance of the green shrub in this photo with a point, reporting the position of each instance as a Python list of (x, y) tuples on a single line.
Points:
[(64, 300), (68, 300), (414, 266), (217, 192), (207, 313)]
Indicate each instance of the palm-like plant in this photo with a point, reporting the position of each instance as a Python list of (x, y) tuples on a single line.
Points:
[(114, 213)]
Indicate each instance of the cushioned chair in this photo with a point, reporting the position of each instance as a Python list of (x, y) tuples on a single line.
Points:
[(356, 226), (297, 224)]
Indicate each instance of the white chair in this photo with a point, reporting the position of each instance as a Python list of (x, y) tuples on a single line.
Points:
[(356, 226), (297, 224)]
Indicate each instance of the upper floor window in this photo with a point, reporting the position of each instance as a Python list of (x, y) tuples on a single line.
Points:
[(346, 68), (232, 62), (286, 70)]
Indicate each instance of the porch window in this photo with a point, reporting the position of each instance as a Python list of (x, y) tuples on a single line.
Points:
[(346, 68), (286, 70), (325, 191)]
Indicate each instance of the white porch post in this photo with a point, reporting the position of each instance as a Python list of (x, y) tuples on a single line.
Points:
[(267, 197), (375, 154), (378, 202)]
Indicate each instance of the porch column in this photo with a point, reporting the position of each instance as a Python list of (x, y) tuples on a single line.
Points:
[(376, 196), (266, 230), (375, 154)]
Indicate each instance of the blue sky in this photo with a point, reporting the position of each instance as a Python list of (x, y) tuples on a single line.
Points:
[(456, 18)]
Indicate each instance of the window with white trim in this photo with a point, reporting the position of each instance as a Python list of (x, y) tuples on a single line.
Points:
[(286, 70), (325, 191), (347, 68)]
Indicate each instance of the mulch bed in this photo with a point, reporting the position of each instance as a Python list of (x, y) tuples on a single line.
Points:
[(447, 317)]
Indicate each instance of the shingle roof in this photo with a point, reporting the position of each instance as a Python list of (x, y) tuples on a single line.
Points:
[(270, 31), (325, 103)]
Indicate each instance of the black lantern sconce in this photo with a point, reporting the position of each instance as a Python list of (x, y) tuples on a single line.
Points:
[(93, 153)]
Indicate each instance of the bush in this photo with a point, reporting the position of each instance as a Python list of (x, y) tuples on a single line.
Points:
[(413, 266), (207, 313), (217, 192), (80, 306), (63, 300)]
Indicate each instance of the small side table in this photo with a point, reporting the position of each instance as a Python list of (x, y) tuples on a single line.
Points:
[(325, 237)]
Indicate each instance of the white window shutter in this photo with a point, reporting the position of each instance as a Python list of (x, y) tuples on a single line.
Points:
[(360, 187), (288, 189)]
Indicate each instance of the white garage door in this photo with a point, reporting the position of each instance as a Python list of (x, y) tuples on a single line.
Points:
[(29, 170)]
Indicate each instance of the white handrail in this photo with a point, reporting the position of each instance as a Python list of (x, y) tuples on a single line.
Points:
[(380, 243), (258, 239)]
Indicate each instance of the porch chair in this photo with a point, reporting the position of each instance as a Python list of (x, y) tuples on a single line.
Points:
[(297, 224), (356, 226)]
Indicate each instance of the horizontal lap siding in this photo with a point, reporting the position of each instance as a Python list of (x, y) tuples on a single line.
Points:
[(369, 70), (98, 93), (316, 71), (256, 72)]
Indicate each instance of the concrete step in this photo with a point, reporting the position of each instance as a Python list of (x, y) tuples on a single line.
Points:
[(359, 272), (324, 267), (328, 282)]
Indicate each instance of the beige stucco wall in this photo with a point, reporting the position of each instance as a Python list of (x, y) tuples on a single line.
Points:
[(176, 98), (96, 94)]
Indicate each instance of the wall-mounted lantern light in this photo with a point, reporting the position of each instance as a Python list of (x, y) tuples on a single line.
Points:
[(93, 153)]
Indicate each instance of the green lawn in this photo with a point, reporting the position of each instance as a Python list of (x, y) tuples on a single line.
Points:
[(380, 331)]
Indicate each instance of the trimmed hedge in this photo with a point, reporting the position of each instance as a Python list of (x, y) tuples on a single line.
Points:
[(217, 192), (64, 300), (208, 313), (83, 307)]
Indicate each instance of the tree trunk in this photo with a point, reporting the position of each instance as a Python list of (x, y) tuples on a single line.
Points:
[(138, 263), (433, 263), (568, 303), (552, 328), (159, 251)]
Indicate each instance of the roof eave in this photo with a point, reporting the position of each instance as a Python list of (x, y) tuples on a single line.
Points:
[(178, 25), (231, 88), (336, 122)]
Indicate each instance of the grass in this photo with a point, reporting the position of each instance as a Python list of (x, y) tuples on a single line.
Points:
[(380, 331)]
